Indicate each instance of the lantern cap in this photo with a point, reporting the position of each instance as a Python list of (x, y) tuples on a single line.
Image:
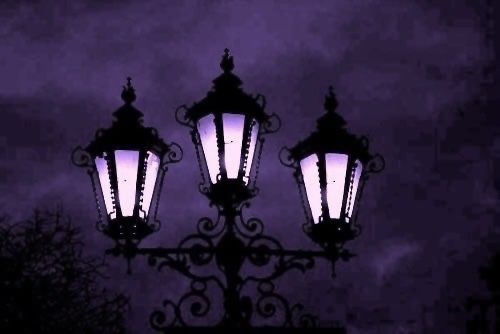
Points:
[(127, 131), (331, 136), (227, 96)]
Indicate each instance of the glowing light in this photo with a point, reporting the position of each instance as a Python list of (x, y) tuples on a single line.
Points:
[(336, 167), (102, 170), (251, 150), (127, 163), (208, 137), (310, 173), (152, 165), (233, 139), (352, 195)]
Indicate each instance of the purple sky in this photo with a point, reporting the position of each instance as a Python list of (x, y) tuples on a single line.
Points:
[(408, 74)]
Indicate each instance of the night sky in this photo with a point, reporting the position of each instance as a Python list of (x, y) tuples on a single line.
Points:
[(411, 75)]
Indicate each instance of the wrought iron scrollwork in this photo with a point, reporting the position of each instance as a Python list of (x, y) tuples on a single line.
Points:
[(174, 154), (81, 158), (196, 302), (181, 116), (258, 249), (249, 228), (206, 226), (272, 124), (270, 304), (286, 158), (376, 164)]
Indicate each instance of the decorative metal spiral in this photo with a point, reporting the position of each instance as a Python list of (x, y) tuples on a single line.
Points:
[(194, 303), (251, 227), (272, 124), (81, 158), (207, 227), (286, 159), (174, 154), (376, 164), (181, 116)]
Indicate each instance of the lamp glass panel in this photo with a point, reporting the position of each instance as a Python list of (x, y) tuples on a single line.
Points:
[(127, 164), (254, 128), (336, 167), (102, 171), (208, 137), (351, 197), (310, 174), (152, 165), (233, 126)]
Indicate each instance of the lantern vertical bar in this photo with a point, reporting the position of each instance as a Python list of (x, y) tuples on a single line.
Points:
[(322, 183), (219, 131), (347, 185), (139, 184), (113, 180), (247, 133)]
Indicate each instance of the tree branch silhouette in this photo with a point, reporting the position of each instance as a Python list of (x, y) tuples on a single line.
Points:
[(47, 285)]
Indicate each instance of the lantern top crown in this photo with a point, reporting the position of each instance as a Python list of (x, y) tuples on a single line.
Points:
[(128, 113), (128, 92), (331, 102), (227, 80), (127, 131), (332, 120), (331, 136), (227, 63), (227, 96)]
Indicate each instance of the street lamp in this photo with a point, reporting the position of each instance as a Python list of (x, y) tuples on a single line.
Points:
[(227, 127), (128, 162), (331, 167)]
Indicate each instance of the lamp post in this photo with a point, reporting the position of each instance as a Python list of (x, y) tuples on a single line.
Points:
[(228, 128)]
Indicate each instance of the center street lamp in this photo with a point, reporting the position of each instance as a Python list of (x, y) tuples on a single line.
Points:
[(127, 163)]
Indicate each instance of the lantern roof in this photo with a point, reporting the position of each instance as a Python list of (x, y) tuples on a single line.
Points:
[(227, 96), (331, 136), (127, 131)]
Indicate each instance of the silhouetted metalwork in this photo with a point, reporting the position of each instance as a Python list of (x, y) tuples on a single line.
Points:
[(337, 157), (127, 152), (228, 128)]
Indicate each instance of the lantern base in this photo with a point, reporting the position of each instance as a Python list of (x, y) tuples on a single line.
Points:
[(229, 191), (332, 232), (128, 229)]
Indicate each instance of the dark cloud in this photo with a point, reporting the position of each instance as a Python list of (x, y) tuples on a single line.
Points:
[(409, 75)]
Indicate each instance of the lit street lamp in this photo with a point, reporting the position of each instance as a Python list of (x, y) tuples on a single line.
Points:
[(127, 163), (331, 167)]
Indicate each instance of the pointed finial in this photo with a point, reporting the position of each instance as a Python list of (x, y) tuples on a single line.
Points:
[(128, 92), (331, 102), (227, 63)]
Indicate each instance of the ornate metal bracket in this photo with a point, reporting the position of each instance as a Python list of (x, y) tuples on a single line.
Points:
[(229, 243)]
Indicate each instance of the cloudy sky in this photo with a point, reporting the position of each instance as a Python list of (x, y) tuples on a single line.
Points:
[(409, 74)]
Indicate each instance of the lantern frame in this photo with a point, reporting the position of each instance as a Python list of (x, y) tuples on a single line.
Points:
[(331, 137), (128, 134), (228, 98)]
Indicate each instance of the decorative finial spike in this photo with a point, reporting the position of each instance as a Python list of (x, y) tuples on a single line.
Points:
[(227, 63), (331, 102), (128, 92)]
